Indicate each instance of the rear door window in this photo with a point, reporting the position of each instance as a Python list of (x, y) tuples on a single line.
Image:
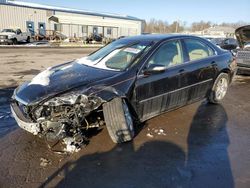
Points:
[(197, 49)]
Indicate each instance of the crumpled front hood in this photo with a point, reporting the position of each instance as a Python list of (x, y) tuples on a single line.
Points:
[(59, 79), (243, 35)]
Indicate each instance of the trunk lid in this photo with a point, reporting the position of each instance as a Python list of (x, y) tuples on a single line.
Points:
[(243, 35)]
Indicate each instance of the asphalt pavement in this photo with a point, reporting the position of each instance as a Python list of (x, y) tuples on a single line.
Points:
[(200, 145)]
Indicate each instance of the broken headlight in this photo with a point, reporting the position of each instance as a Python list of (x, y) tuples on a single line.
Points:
[(65, 106), (66, 99)]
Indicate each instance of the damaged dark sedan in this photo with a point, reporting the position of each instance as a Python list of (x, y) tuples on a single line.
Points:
[(130, 80)]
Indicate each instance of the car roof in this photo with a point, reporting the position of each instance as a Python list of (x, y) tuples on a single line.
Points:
[(156, 37)]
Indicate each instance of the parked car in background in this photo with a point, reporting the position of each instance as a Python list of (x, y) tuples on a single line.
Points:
[(243, 54), (130, 80), (93, 38), (216, 41), (13, 36), (225, 43)]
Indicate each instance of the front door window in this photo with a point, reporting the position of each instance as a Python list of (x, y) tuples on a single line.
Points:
[(168, 55)]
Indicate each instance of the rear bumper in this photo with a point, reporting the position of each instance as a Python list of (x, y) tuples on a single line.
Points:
[(243, 70), (31, 127)]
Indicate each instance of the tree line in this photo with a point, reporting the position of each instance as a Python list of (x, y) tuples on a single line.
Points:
[(160, 26)]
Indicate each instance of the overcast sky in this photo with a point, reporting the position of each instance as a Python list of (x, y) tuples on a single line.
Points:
[(216, 11)]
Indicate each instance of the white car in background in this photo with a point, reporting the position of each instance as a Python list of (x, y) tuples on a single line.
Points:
[(13, 36)]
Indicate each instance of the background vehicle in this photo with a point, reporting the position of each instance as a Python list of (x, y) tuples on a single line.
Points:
[(243, 54), (93, 38), (229, 44), (225, 43), (13, 36), (130, 80)]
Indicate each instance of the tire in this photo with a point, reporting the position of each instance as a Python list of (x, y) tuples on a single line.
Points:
[(14, 41), (219, 89), (118, 120), (28, 40)]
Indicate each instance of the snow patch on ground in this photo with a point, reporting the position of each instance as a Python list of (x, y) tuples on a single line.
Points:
[(155, 131)]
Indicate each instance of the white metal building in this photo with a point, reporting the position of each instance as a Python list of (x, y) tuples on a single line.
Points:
[(70, 22)]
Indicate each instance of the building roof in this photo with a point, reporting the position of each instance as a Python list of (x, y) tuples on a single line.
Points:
[(77, 11)]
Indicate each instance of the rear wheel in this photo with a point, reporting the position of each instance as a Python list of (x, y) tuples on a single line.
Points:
[(118, 120), (219, 89)]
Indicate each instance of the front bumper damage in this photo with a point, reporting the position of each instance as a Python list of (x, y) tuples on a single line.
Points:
[(30, 127), (6, 41), (61, 119)]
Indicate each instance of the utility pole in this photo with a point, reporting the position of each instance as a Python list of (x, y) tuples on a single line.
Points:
[(177, 26)]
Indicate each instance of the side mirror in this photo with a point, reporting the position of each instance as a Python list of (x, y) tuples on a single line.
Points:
[(154, 69)]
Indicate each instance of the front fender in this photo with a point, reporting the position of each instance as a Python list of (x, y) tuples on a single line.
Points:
[(107, 93)]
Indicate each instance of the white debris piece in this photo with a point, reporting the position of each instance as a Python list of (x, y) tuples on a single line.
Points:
[(43, 78), (155, 131), (150, 135), (161, 132), (70, 146), (44, 162)]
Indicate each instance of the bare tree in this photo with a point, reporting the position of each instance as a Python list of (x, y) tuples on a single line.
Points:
[(199, 26), (160, 26)]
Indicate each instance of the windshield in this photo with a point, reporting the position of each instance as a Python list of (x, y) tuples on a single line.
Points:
[(8, 30), (117, 55)]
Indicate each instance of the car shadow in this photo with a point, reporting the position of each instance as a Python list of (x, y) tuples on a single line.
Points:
[(154, 164), (7, 122), (208, 142), (159, 163)]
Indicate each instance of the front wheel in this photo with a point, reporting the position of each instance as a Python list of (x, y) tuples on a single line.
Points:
[(118, 120), (219, 89), (14, 41)]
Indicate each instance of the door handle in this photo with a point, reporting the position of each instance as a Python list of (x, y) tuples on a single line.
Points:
[(213, 64), (181, 71)]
